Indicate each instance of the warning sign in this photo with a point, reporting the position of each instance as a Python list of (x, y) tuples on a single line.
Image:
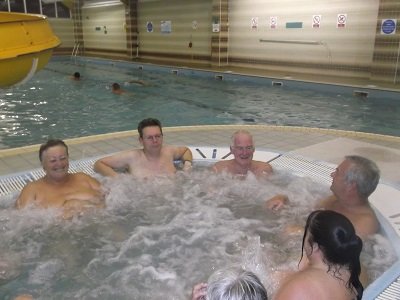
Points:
[(254, 23), (273, 22), (341, 20), (316, 21)]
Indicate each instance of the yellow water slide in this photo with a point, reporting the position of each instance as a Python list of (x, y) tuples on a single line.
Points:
[(26, 44)]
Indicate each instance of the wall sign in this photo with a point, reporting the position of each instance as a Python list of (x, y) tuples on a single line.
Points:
[(215, 27), (166, 27), (149, 26), (273, 22), (316, 21), (254, 23), (388, 26), (341, 21), (294, 25)]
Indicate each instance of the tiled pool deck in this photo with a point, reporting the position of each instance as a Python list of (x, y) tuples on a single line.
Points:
[(318, 144)]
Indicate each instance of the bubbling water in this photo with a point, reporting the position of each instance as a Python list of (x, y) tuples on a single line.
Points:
[(159, 237)]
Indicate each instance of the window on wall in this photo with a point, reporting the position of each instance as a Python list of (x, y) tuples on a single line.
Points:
[(49, 8), (3, 5), (62, 11), (17, 6), (33, 6)]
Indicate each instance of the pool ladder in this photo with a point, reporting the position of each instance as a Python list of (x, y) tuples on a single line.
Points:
[(75, 51)]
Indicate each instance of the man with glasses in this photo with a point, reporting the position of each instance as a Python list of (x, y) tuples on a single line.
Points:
[(242, 148), (153, 159)]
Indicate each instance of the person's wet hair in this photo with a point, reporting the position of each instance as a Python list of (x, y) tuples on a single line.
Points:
[(337, 240), (147, 123), (51, 143), (77, 75), (116, 86)]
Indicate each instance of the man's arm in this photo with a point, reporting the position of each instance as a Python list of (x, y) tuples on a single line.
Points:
[(218, 167), (265, 169), (27, 196), (365, 225), (106, 165), (277, 202), (185, 155)]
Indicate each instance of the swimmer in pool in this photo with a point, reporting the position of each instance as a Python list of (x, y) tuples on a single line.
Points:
[(74, 192), (333, 250), (155, 158), (76, 76), (116, 89), (353, 181)]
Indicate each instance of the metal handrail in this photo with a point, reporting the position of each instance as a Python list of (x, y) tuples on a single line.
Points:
[(75, 51)]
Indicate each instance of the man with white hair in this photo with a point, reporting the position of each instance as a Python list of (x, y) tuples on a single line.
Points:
[(242, 147)]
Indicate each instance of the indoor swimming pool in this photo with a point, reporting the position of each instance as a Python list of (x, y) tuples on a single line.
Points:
[(160, 238), (53, 105)]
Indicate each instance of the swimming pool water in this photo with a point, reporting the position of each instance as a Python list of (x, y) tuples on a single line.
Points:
[(156, 239), (53, 105)]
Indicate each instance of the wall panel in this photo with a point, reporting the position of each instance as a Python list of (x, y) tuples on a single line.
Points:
[(64, 30), (327, 45), (104, 28), (182, 14)]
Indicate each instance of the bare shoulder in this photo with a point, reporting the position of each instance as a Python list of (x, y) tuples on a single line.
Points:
[(82, 176), (303, 285), (32, 186), (29, 193), (223, 165), (292, 288), (366, 222), (262, 166)]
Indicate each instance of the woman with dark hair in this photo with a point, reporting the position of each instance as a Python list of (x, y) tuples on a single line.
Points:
[(333, 252)]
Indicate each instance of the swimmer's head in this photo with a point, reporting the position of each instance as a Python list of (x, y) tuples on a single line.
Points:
[(115, 86)]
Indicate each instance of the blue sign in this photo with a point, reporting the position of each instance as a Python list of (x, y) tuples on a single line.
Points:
[(149, 26), (388, 26)]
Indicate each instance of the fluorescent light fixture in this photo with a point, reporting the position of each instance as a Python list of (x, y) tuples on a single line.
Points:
[(96, 3)]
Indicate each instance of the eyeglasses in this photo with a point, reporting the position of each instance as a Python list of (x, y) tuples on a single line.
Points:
[(247, 148), (153, 137)]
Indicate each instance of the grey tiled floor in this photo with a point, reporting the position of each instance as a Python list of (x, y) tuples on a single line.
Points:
[(316, 144)]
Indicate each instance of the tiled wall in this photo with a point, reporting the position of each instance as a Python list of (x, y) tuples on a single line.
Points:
[(253, 34), (190, 37), (313, 47), (104, 29)]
